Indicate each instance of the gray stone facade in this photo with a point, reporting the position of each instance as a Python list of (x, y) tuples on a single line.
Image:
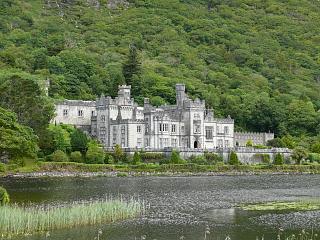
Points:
[(241, 138), (186, 125)]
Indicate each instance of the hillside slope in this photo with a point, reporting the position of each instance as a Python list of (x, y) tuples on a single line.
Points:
[(258, 61)]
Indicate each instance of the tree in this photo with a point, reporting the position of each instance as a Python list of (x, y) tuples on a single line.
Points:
[(278, 159), (299, 154), (233, 160), (16, 140), (79, 141), (118, 153), (76, 157), (25, 97), (136, 158), (59, 156), (95, 154), (60, 138), (132, 66)]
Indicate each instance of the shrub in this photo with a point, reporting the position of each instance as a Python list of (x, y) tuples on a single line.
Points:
[(59, 156), (95, 155), (175, 157), (249, 143), (212, 158), (79, 141), (278, 159), (76, 157), (314, 157), (2, 167), (316, 147), (4, 196), (118, 154), (263, 158), (200, 159), (109, 159), (299, 154), (151, 157), (233, 160), (136, 158)]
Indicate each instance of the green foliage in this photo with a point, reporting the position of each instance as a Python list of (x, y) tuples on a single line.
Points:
[(151, 157), (314, 157), (136, 158), (249, 143), (278, 159), (132, 66), (58, 138), (25, 97), (4, 197), (263, 158), (175, 157), (76, 157), (59, 156), (299, 154), (16, 140), (95, 154), (2, 167), (315, 147), (109, 159), (263, 73), (233, 159), (118, 154), (79, 141)]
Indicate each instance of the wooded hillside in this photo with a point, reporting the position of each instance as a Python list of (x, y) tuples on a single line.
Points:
[(258, 61)]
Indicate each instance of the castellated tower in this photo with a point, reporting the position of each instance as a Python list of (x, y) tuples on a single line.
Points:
[(180, 94)]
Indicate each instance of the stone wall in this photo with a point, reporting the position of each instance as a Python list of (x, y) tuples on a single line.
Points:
[(241, 138), (246, 155)]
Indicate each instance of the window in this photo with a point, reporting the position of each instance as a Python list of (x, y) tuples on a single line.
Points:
[(147, 127), (139, 128), (139, 142), (220, 143), (103, 118), (226, 143), (173, 128), (226, 130), (174, 142), (80, 113), (209, 134), (182, 129), (123, 130), (163, 127), (65, 112), (123, 142), (93, 113), (147, 142)]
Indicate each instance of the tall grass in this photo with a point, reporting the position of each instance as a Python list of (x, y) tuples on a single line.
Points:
[(15, 220)]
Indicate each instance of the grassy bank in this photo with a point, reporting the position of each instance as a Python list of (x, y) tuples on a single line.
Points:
[(164, 168), (17, 220), (156, 169), (176, 168)]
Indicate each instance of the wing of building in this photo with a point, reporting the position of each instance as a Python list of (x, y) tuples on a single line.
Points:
[(187, 124)]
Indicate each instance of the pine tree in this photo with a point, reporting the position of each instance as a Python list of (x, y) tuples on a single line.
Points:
[(233, 159), (132, 66)]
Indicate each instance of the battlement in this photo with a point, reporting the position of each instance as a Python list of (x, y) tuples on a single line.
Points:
[(79, 103)]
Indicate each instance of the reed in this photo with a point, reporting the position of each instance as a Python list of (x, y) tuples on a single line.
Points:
[(17, 220)]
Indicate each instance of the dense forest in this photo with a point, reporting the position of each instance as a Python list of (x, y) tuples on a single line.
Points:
[(255, 60)]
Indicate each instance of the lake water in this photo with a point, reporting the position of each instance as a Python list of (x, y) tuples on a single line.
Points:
[(180, 207)]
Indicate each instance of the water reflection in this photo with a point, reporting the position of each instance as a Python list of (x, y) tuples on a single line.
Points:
[(179, 206)]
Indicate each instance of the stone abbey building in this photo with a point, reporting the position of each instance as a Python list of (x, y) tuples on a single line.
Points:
[(185, 125)]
